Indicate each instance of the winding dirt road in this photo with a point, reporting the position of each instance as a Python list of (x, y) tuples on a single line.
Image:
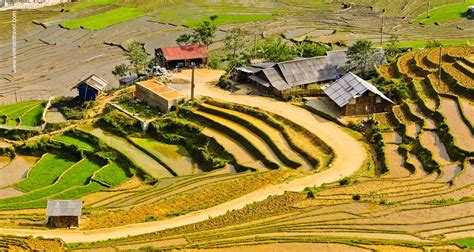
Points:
[(350, 156)]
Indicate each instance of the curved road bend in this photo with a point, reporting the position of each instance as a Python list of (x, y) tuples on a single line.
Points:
[(350, 156)]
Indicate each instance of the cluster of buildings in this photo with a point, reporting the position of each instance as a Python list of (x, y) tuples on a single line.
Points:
[(351, 93), (29, 4)]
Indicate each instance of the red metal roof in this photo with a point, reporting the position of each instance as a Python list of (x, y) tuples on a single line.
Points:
[(185, 52)]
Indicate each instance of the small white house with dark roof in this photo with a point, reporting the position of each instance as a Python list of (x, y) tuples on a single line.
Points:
[(357, 96), (90, 87), (64, 213)]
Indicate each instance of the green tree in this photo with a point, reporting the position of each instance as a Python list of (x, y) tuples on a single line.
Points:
[(433, 44), (137, 56), (184, 39), (275, 50), (362, 58), (308, 49), (392, 49), (204, 33), (235, 47), (120, 71)]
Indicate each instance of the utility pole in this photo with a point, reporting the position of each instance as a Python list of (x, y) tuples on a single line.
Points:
[(440, 62), (14, 42), (381, 28), (192, 81), (428, 9)]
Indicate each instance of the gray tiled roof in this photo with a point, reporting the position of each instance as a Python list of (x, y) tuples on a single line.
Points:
[(348, 87), (94, 82), (64, 208), (285, 75)]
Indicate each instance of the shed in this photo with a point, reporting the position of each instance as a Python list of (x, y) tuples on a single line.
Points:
[(90, 88), (357, 96), (64, 213), (157, 95), (182, 56)]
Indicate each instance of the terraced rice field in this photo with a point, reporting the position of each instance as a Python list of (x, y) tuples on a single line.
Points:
[(24, 114), (74, 141), (141, 159), (462, 133)]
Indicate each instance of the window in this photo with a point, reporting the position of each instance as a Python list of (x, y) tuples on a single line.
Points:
[(378, 99)]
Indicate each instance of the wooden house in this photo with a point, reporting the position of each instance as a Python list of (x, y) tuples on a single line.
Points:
[(157, 95), (90, 88), (182, 56), (280, 78), (64, 213), (356, 96)]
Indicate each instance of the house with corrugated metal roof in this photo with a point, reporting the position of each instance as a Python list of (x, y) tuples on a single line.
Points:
[(280, 78), (355, 96), (64, 213), (90, 87), (182, 56)]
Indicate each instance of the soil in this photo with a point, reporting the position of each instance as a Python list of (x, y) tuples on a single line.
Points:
[(55, 117), (431, 141), (395, 162), (17, 170), (461, 132), (8, 192)]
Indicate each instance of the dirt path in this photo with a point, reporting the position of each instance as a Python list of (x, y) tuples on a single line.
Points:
[(350, 157)]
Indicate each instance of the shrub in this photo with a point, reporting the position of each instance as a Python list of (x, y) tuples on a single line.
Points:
[(345, 181), (356, 197), (120, 123)]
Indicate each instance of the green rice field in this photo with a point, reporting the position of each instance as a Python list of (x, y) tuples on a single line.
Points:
[(74, 141), (111, 174), (45, 172), (22, 114), (103, 20), (446, 12)]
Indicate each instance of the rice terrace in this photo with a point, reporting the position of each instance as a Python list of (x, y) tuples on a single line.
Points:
[(186, 125)]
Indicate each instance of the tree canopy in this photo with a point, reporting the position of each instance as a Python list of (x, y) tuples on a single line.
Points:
[(204, 33), (362, 58)]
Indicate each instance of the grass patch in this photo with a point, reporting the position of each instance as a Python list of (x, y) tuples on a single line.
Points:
[(89, 3), (465, 243), (112, 175), (45, 172), (77, 176), (103, 20), (422, 43), (446, 12), (74, 141), (32, 118)]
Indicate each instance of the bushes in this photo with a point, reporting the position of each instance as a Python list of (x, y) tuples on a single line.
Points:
[(71, 108), (120, 123), (374, 136)]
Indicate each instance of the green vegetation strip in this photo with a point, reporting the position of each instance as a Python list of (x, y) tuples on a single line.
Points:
[(111, 174), (103, 20), (45, 172), (446, 12), (78, 175), (74, 141)]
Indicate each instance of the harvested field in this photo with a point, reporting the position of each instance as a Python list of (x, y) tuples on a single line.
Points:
[(430, 140), (449, 172), (286, 247), (468, 108), (461, 132), (17, 170), (239, 152), (55, 117), (395, 162)]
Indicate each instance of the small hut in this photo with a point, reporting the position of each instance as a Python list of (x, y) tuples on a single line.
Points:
[(90, 88), (64, 213), (182, 56), (158, 95), (357, 96)]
